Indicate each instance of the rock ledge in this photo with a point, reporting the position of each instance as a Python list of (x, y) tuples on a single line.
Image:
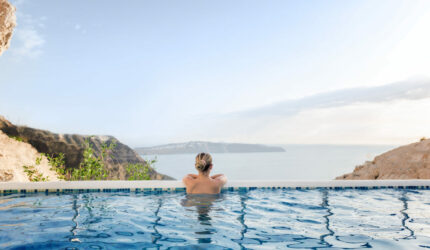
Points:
[(406, 162)]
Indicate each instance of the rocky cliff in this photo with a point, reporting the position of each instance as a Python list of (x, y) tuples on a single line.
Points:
[(407, 162), (15, 154), (72, 146), (7, 24)]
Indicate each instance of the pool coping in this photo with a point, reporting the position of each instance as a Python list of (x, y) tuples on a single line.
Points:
[(158, 186)]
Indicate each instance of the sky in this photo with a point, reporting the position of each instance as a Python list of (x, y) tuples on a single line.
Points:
[(273, 72)]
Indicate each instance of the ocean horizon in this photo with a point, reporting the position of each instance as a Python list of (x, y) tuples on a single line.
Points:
[(298, 162)]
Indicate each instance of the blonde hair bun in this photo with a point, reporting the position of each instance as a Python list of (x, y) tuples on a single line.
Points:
[(201, 164), (203, 161)]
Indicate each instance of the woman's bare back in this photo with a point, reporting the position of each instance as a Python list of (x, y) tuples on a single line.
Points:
[(203, 183), (200, 184)]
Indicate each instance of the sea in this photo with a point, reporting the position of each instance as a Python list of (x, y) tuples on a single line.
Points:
[(298, 162)]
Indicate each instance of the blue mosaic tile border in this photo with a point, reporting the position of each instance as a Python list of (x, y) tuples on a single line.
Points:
[(181, 189)]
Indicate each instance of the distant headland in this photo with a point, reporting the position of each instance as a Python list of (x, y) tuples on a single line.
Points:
[(195, 147)]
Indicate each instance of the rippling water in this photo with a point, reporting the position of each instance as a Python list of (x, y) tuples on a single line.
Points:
[(258, 219)]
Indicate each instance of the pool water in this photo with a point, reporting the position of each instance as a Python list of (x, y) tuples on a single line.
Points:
[(257, 219)]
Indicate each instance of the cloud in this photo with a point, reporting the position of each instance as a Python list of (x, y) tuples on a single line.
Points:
[(388, 114), (17, 3), (28, 41), (78, 28), (407, 90)]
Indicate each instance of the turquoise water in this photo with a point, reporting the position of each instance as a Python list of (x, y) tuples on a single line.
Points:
[(299, 162), (257, 219)]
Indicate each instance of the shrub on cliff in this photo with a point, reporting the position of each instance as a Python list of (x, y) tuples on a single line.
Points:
[(58, 165), (92, 166), (139, 171)]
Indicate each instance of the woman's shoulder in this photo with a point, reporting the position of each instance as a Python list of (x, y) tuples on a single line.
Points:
[(189, 178), (219, 178)]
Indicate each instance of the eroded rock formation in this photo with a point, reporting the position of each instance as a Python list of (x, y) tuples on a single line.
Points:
[(72, 146), (7, 24), (407, 162), (15, 154)]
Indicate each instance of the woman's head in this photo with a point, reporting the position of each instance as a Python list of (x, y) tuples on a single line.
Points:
[(203, 162)]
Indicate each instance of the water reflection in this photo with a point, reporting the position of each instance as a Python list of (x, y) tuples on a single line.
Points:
[(203, 204), (85, 216), (404, 199), (75, 208), (241, 218), (325, 204), (156, 234)]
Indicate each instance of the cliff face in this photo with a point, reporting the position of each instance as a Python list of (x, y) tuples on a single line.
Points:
[(14, 155), (7, 23), (407, 162), (72, 146)]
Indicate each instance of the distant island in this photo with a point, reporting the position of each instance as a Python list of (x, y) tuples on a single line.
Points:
[(195, 147)]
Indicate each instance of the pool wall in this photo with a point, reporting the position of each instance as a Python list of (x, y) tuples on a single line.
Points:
[(178, 186)]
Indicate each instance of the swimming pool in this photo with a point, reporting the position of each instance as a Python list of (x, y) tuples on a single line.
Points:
[(256, 219)]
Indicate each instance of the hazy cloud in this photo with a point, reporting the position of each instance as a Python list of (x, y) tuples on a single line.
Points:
[(391, 113), (28, 41), (407, 90), (79, 28), (17, 3)]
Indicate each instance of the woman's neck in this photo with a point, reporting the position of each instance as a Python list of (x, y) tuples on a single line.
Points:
[(204, 174)]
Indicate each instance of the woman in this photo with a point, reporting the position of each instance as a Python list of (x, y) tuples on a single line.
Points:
[(203, 183)]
